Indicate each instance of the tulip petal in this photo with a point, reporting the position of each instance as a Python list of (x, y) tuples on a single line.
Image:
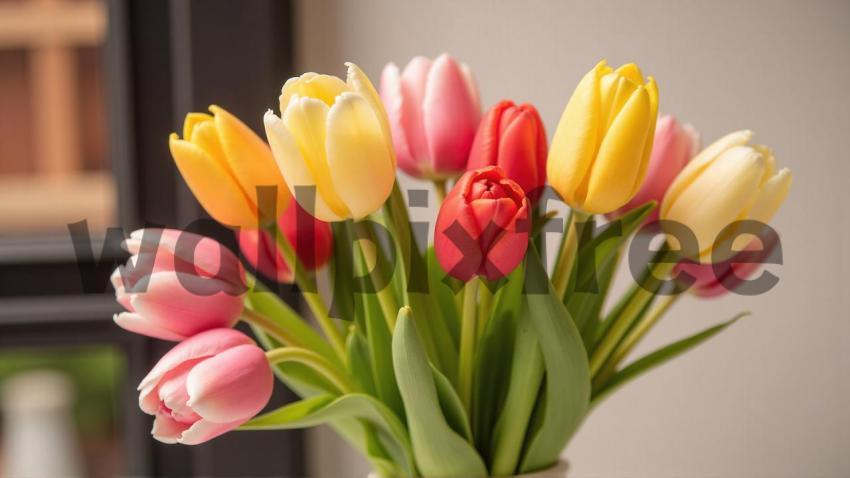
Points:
[(250, 159), (233, 385), (652, 91), (717, 197), (361, 171), (167, 430), (136, 323), (322, 87), (574, 144), (450, 116), (618, 162), (699, 163), (771, 196), (471, 85), (306, 120), (204, 344), (485, 147), (521, 154), (295, 169), (414, 79), (213, 185), (191, 121), (359, 83), (395, 105), (204, 430)]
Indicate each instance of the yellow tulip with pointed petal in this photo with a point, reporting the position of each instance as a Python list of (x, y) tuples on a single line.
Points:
[(333, 135), (600, 152), (728, 181), (224, 162)]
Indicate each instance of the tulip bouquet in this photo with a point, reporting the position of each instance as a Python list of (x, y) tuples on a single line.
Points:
[(468, 357)]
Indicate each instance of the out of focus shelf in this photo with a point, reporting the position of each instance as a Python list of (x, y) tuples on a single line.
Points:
[(39, 204), (57, 309)]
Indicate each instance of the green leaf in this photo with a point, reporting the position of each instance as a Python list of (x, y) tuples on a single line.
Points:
[(526, 375), (380, 352), (324, 409), (493, 358), (567, 386), (451, 405), (360, 363), (444, 295), (659, 357), (595, 263), (439, 451)]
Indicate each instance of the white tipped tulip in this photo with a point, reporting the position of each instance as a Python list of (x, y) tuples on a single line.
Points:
[(334, 136), (728, 181)]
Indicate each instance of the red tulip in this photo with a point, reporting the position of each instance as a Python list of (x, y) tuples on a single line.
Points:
[(483, 226), (712, 280), (311, 238), (513, 138), (207, 385)]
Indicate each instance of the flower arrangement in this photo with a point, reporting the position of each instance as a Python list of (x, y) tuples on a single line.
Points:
[(468, 357)]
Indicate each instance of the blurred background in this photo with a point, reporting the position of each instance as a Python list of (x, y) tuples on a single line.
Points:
[(90, 89)]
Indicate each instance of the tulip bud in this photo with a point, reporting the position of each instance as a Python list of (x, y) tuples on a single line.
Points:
[(600, 152), (224, 163), (513, 138), (674, 145), (311, 238), (205, 386), (713, 280), (177, 284), (728, 181), (433, 108), (333, 136), (483, 226)]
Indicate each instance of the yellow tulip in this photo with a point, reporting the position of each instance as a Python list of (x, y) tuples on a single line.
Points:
[(334, 136), (728, 181), (600, 151), (224, 162)]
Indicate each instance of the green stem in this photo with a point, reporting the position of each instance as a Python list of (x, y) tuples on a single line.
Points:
[(312, 360), (440, 190), (280, 334), (386, 296), (635, 335), (313, 299), (624, 322), (485, 307), (567, 255), (467, 344)]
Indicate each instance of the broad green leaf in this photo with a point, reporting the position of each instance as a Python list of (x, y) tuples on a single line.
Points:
[(567, 386), (324, 409), (439, 451), (451, 405), (299, 377), (526, 375), (659, 357), (493, 357), (360, 363), (442, 288)]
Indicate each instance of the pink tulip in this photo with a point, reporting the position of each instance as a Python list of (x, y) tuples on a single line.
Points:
[(207, 385), (714, 280), (311, 238), (673, 147), (177, 284), (434, 109)]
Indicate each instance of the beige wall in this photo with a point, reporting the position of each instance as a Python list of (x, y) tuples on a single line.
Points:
[(770, 396)]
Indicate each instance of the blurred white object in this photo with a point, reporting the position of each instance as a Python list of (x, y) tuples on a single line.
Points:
[(39, 434)]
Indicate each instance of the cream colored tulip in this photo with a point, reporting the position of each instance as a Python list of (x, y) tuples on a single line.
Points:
[(600, 152), (728, 181), (334, 136), (224, 162)]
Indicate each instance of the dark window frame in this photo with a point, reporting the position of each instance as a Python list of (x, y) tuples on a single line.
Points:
[(158, 60)]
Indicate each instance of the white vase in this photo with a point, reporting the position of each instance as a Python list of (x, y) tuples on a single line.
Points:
[(557, 471)]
